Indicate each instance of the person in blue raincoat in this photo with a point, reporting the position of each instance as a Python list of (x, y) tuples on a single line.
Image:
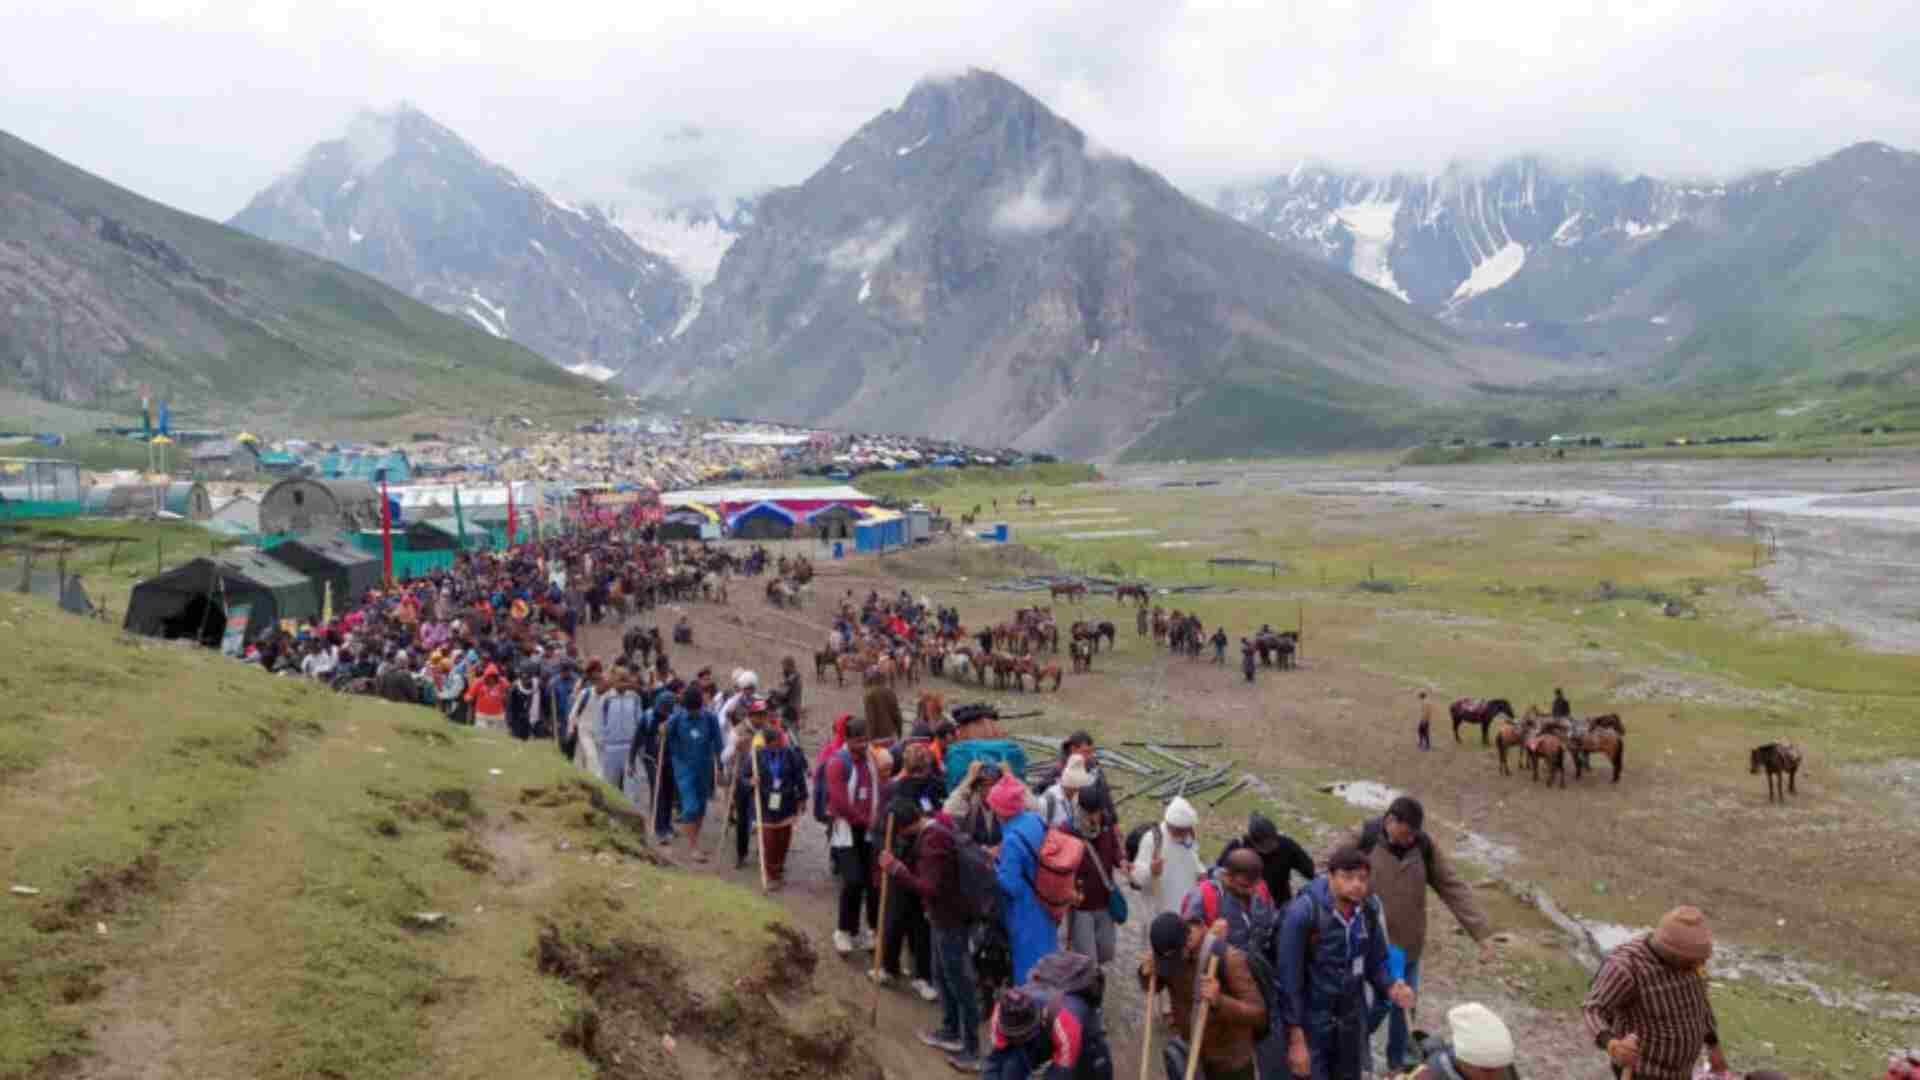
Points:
[(1031, 932), (693, 749), (616, 726)]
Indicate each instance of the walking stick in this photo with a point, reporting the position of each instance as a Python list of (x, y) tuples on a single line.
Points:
[(880, 939), (660, 773), (1200, 1024), (759, 821), (1146, 1021)]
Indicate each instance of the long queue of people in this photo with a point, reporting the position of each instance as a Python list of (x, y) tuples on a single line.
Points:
[(1002, 901)]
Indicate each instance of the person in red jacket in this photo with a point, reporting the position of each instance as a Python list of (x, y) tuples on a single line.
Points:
[(853, 797), (489, 698)]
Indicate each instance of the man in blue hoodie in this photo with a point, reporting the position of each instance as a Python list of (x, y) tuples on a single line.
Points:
[(693, 746), (1333, 945)]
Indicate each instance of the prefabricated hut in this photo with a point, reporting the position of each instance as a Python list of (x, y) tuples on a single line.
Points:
[(762, 521), (182, 498), (191, 600), (304, 504), (328, 558), (690, 522), (879, 530), (834, 521)]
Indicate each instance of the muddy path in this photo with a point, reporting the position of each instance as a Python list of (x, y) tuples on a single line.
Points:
[(1137, 686)]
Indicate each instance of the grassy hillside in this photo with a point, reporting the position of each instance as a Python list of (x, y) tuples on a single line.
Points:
[(109, 290), (249, 876)]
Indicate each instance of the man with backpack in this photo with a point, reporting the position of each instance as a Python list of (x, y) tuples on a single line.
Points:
[(1332, 947), (1237, 1008), (1281, 857), (1049, 1027), (852, 797), (954, 878), (783, 791), (1405, 863)]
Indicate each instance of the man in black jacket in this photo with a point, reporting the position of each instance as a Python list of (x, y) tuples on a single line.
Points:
[(1280, 857)]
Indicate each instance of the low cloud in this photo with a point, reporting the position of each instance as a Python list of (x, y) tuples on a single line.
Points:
[(1030, 211)]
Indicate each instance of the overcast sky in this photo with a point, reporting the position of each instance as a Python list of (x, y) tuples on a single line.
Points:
[(199, 103)]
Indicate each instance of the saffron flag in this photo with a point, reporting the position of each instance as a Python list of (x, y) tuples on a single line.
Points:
[(386, 535)]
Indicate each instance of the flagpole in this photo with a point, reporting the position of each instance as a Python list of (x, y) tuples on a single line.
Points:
[(386, 534), (459, 519)]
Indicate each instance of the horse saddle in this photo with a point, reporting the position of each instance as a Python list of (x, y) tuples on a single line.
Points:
[(1469, 705), (1533, 744)]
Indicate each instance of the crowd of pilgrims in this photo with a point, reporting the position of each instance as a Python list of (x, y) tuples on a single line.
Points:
[(998, 893)]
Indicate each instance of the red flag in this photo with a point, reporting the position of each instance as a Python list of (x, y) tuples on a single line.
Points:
[(386, 535), (513, 519)]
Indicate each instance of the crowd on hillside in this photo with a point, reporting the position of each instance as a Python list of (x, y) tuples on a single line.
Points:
[(997, 899)]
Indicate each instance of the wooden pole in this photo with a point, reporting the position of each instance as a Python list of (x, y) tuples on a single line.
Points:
[(1146, 1022), (880, 932), (660, 774), (1200, 1024), (759, 826)]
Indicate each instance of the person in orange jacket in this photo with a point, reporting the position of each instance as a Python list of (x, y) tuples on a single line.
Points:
[(488, 697)]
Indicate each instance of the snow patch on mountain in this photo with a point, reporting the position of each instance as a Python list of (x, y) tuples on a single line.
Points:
[(1491, 273), (694, 244), (497, 311), (354, 235), (485, 322), (589, 370), (1570, 231), (1371, 224), (905, 150)]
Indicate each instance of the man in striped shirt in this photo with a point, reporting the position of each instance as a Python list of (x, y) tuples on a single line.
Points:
[(1648, 1007)]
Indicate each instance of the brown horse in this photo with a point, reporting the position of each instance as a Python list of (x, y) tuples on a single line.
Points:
[(1467, 711), (1082, 655), (1511, 737), (1136, 592), (1598, 740), (1782, 762), (823, 663), (1072, 590), (1553, 750), (1041, 672)]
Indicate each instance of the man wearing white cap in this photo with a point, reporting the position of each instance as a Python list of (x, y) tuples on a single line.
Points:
[(1167, 863), (1481, 1048)]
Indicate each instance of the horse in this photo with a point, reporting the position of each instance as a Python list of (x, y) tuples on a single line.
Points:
[(823, 663), (1104, 629), (1553, 749), (1044, 671), (930, 709), (1082, 654), (1512, 737), (1122, 593), (1782, 762), (1467, 711), (1072, 590)]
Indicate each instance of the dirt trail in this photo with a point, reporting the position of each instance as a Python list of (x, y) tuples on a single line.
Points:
[(1124, 688)]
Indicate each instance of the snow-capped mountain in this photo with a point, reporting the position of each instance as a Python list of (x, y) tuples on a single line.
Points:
[(1575, 262), (406, 200), (693, 239)]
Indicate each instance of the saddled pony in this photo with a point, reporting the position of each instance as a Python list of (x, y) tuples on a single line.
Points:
[(1082, 654), (1605, 735), (1122, 593), (1512, 737), (1782, 762), (1042, 672), (823, 663), (1484, 713), (1553, 750), (1072, 590), (1104, 629), (930, 709)]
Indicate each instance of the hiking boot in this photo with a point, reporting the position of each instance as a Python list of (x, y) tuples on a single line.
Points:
[(965, 1062), (842, 942), (864, 941), (943, 1040), (925, 990), (879, 976)]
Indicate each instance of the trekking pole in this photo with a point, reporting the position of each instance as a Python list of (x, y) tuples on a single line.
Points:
[(880, 939), (1200, 1023), (660, 774), (759, 821), (1146, 1021)]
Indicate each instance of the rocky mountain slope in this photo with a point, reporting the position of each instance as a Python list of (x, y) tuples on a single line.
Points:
[(1743, 280), (970, 264), (404, 199), (104, 291)]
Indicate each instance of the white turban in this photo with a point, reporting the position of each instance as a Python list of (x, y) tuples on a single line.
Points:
[(1180, 814), (746, 680), (1479, 1037)]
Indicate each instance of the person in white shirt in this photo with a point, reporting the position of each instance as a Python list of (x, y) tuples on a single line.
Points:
[(745, 683), (1168, 862)]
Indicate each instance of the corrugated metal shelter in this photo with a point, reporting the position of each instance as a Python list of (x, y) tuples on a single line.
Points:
[(919, 524), (393, 466), (187, 499), (331, 559), (33, 488), (241, 510), (303, 504), (190, 600)]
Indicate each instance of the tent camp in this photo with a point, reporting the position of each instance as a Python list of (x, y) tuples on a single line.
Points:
[(187, 499), (303, 504), (834, 521), (443, 534), (690, 522), (762, 521), (330, 559), (191, 600)]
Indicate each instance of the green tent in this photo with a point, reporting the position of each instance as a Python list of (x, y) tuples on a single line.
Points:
[(191, 600)]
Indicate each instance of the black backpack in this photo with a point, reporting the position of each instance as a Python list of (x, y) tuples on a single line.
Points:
[(974, 884)]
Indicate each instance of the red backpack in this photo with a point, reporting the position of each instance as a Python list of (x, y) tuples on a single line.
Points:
[(1056, 869)]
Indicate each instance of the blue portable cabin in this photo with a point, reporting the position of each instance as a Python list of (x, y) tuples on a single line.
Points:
[(879, 530)]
